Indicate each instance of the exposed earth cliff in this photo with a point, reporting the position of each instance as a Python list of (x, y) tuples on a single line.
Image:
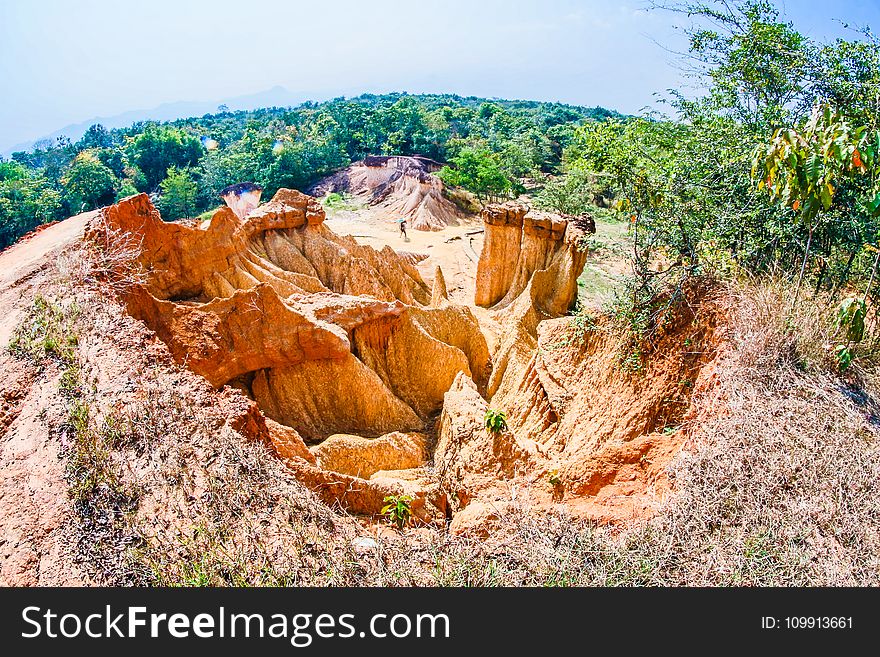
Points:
[(366, 373)]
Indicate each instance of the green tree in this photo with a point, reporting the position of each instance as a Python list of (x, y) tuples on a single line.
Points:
[(178, 195), (26, 201), (759, 67), (575, 193), (478, 171), (88, 183), (158, 148), (685, 183), (126, 189), (97, 136)]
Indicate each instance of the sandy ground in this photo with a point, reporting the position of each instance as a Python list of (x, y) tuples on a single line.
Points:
[(452, 248)]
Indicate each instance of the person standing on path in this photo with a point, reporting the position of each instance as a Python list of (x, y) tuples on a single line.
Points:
[(402, 223)]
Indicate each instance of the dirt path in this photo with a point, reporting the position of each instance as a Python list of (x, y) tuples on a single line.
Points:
[(35, 546), (31, 253), (27, 259)]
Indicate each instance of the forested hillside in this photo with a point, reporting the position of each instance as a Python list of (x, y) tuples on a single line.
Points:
[(189, 160)]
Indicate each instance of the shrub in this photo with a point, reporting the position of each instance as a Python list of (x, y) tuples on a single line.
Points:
[(851, 318), (334, 199), (496, 421)]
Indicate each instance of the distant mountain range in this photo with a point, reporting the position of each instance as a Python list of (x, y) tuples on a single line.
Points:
[(274, 97)]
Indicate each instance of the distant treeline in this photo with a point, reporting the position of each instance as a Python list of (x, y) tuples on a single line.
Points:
[(497, 142)]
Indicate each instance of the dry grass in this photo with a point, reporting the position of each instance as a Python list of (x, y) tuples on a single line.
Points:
[(783, 485), (107, 264)]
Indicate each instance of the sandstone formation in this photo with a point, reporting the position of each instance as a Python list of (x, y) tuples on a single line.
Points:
[(527, 272), (363, 457), (439, 295), (581, 431), (287, 442), (323, 397), (523, 248), (608, 434), (501, 249), (480, 519), (282, 243), (468, 457), (326, 335), (368, 383)]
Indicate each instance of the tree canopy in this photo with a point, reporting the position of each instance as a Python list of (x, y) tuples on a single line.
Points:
[(285, 147), (771, 169)]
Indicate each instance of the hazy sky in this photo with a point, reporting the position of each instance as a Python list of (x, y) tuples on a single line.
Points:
[(64, 62)]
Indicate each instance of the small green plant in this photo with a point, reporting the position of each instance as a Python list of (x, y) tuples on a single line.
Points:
[(632, 360), (553, 477), (844, 357), (496, 421), (583, 323), (333, 199), (337, 201), (398, 510), (851, 318)]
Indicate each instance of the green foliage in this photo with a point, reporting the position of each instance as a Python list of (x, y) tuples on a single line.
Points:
[(478, 171), (398, 510), (576, 193), (850, 318), (844, 356), (336, 201), (803, 168), (12, 172), (126, 189), (632, 360), (495, 421), (333, 199), (759, 66), (773, 169), (178, 199), (97, 136), (158, 148), (284, 147), (27, 199)]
